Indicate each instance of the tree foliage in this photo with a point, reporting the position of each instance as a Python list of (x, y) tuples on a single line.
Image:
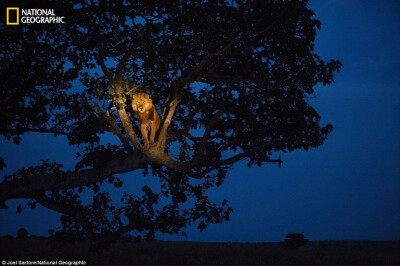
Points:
[(230, 80)]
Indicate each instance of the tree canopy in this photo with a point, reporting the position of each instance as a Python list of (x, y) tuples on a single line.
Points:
[(230, 80)]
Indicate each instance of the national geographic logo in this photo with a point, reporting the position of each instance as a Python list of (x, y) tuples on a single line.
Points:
[(12, 15), (32, 16)]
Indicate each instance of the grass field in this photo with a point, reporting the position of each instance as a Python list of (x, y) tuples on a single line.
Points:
[(324, 253)]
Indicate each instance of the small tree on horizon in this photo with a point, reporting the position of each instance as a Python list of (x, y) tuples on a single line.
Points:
[(22, 233), (230, 80), (295, 240)]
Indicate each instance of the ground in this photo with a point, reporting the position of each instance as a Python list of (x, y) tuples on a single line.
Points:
[(326, 253)]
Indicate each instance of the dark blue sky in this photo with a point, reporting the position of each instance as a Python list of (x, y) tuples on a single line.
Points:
[(347, 189)]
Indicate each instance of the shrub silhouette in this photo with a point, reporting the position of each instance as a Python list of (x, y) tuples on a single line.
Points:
[(22, 233), (295, 240)]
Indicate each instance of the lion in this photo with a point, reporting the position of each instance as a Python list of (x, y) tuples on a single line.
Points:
[(148, 118)]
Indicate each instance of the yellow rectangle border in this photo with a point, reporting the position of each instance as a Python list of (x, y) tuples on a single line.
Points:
[(8, 16)]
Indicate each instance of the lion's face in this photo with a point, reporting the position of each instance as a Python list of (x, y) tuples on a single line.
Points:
[(141, 102)]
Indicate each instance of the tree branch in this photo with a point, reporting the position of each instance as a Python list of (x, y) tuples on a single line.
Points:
[(24, 187), (206, 134), (126, 123), (121, 65), (167, 120), (38, 130), (242, 155), (188, 76), (79, 213), (189, 119), (116, 85), (100, 61), (115, 129)]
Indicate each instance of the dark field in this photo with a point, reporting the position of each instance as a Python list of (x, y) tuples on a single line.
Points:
[(324, 253)]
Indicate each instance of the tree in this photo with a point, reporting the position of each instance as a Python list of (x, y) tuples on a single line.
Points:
[(295, 240), (22, 233), (230, 80)]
